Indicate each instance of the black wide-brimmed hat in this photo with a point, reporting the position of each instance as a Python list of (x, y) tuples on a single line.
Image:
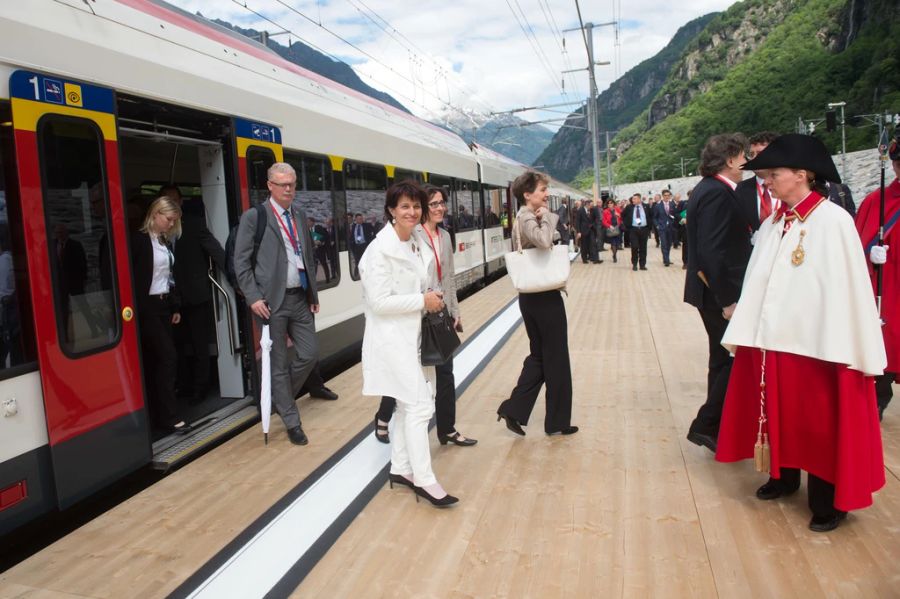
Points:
[(797, 151)]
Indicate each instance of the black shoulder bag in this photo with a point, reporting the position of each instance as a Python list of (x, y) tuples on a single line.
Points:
[(439, 339)]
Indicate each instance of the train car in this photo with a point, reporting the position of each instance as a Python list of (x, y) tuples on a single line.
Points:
[(101, 104)]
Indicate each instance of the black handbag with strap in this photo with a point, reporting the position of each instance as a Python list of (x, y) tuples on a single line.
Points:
[(439, 339)]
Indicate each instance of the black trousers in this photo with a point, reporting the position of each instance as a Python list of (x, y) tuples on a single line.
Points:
[(160, 360), (444, 400), (544, 315), (588, 247), (638, 237), (819, 492), (710, 414), (883, 390), (196, 333)]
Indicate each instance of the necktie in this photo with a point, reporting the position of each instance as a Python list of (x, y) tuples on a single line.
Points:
[(765, 204), (295, 241), (666, 205), (640, 214)]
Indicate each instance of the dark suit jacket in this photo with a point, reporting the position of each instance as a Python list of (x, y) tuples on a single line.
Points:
[(368, 233), (582, 221), (747, 202), (628, 216), (718, 245), (192, 253), (659, 216), (596, 219), (142, 265)]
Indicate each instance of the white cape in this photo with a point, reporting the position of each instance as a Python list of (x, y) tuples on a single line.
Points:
[(823, 308)]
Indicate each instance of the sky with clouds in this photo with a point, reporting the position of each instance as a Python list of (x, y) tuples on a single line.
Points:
[(483, 55)]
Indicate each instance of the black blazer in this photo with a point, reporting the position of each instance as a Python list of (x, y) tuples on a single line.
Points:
[(192, 253), (142, 268), (659, 216), (628, 216), (748, 203), (718, 245), (582, 221), (368, 233)]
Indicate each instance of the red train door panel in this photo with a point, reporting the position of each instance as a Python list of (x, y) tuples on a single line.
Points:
[(75, 232)]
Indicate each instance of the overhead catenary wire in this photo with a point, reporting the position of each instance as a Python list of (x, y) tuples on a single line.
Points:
[(535, 45)]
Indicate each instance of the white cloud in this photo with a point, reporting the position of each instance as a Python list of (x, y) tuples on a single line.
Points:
[(470, 53)]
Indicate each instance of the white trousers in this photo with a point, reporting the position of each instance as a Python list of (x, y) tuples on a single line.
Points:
[(410, 452)]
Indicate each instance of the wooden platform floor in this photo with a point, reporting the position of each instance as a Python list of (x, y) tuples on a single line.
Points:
[(625, 508)]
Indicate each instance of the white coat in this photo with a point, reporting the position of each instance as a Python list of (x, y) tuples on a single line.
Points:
[(393, 289)]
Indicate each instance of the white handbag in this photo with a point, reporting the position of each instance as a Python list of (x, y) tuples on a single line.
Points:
[(535, 270)]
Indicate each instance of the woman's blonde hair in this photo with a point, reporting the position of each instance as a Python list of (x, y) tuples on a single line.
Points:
[(168, 207)]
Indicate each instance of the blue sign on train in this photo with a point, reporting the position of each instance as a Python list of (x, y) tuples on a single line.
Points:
[(260, 131), (28, 85)]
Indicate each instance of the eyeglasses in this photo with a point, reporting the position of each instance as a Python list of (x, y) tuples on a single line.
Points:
[(291, 185), (436, 205)]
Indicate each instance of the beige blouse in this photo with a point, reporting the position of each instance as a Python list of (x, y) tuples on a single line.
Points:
[(535, 232)]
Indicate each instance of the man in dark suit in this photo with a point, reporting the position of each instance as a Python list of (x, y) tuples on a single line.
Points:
[(563, 224), (637, 222), (193, 252), (361, 235), (597, 230), (664, 213), (719, 241), (281, 289), (754, 199), (584, 231)]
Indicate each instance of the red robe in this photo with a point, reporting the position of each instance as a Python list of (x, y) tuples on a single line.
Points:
[(822, 416), (867, 225)]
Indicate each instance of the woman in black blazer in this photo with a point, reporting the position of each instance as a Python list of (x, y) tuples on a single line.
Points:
[(158, 308)]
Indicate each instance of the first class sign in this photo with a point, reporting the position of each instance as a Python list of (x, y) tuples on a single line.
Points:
[(36, 87)]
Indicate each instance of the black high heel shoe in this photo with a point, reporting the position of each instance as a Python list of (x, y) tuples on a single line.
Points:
[(566, 430), (401, 480), (511, 423), (445, 501), (454, 438), (381, 431)]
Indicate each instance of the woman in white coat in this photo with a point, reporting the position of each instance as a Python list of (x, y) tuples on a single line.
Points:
[(394, 274)]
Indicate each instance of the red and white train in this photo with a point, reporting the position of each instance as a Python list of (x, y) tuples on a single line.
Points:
[(101, 103)]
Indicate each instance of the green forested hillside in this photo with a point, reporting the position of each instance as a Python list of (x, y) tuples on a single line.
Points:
[(822, 51)]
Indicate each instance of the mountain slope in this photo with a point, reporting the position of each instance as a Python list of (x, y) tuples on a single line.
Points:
[(761, 65), (627, 97)]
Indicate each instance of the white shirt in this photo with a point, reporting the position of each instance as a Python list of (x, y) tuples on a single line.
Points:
[(639, 218), (294, 262), (760, 184), (162, 273)]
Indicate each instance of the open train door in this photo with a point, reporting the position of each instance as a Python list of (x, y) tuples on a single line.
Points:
[(76, 235)]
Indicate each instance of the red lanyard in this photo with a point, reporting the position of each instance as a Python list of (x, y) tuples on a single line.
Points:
[(294, 242), (727, 182), (437, 258)]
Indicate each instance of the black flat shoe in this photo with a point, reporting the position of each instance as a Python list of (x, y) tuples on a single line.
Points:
[(707, 441), (454, 438), (399, 479), (381, 431), (297, 436), (773, 490), (323, 392), (566, 430), (511, 423), (826, 523), (445, 501)]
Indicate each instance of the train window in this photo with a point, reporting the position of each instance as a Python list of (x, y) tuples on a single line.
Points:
[(76, 206), (17, 348), (365, 185), (259, 160), (314, 187), (493, 203), (468, 206), (403, 174)]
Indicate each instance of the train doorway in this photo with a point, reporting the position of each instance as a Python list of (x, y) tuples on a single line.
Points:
[(164, 147)]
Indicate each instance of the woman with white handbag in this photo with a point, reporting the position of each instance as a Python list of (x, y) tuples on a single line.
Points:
[(539, 275)]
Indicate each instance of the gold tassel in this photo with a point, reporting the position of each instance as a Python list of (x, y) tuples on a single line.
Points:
[(766, 457), (758, 452), (761, 452)]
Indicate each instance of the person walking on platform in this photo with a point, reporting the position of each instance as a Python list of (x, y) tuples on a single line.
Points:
[(681, 209), (867, 223), (612, 227), (754, 198), (193, 251), (544, 315), (637, 220), (585, 228), (432, 238), (279, 291), (158, 306), (718, 252), (664, 219), (807, 343), (394, 273), (563, 225)]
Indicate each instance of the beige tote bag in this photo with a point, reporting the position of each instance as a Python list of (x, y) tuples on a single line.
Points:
[(535, 270)]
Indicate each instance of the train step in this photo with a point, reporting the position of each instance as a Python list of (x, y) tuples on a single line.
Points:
[(209, 430)]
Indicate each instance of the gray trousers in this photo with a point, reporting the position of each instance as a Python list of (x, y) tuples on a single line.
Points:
[(292, 319)]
